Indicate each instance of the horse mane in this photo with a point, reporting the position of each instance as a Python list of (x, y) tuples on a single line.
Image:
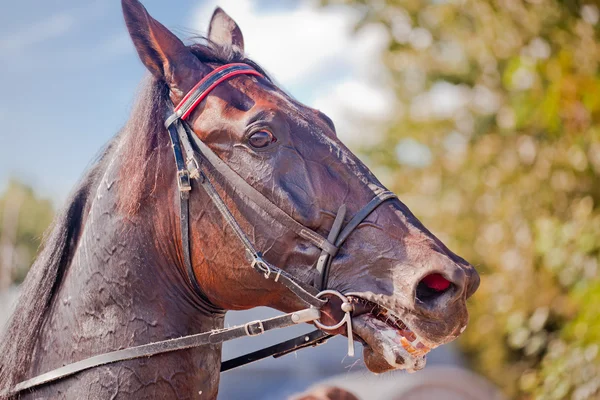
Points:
[(141, 139)]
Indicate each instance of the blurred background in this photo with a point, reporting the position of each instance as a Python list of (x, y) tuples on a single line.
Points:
[(484, 117)]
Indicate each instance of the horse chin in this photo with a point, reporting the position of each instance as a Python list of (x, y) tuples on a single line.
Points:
[(389, 344)]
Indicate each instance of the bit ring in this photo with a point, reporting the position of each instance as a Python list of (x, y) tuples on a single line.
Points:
[(347, 308)]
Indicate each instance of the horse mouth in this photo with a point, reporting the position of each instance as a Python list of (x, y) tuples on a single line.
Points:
[(388, 342)]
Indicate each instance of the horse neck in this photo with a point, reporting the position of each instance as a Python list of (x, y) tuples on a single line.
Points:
[(120, 291)]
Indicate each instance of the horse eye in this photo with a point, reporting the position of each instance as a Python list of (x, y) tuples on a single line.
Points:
[(261, 139)]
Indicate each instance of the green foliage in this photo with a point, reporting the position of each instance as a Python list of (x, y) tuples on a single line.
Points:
[(514, 179), (26, 216)]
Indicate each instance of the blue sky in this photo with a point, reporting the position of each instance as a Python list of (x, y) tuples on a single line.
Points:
[(69, 73)]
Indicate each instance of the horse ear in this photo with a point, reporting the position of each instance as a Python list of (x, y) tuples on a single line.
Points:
[(224, 31), (165, 56)]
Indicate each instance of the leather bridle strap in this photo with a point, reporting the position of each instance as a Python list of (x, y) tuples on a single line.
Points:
[(305, 293), (177, 126), (240, 185), (205, 86), (325, 259), (253, 328), (184, 109), (180, 135), (311, 339), (184, 185)]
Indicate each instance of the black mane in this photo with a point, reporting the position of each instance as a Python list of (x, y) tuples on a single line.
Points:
[(142, 136)]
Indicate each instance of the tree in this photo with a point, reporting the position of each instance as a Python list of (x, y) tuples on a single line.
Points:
[(496, 147), (23, 219)]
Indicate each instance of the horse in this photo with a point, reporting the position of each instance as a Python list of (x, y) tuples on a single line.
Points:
[(264, 206)]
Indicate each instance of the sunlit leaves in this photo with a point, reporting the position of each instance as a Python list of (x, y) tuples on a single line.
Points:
[(506, 96)]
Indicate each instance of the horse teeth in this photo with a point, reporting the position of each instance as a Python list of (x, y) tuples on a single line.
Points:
[(408, 339)]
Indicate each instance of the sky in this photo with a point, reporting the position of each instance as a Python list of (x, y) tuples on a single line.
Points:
[(69, 74)]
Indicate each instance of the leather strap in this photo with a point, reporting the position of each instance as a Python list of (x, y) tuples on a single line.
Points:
[(349, 228), (325, 258), (311, 339), (206, 85), (304, 292), (260, 200), (362, 214), (253, 328), (184, 185)]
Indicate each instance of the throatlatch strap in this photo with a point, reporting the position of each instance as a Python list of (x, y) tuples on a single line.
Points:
[(184, 185)]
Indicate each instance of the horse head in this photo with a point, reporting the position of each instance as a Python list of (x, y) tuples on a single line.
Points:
[(407, 288)]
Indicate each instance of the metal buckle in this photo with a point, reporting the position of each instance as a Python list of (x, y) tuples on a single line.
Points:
[(347, 308), (260, 327), (193, 167), (263, 266), (183, 180)]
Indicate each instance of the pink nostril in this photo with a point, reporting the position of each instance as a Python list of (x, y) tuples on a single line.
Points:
[(436, 282)]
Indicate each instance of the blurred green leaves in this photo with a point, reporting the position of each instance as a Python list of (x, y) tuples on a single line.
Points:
[(505, 94), (24, 217)]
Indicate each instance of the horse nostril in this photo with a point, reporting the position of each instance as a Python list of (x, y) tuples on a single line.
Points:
[(432, 287), (436, 282)]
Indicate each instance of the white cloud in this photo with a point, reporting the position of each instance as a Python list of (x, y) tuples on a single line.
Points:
[(353, 101), (291, 44), (356, 96), (315, 52)]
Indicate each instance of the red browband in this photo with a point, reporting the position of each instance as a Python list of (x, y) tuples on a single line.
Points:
[(208, 83)]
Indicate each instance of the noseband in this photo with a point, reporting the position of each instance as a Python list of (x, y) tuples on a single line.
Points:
[(314, 297)]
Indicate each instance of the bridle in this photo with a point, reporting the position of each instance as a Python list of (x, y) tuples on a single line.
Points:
[(314, 297)]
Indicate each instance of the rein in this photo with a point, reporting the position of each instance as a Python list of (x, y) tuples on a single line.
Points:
[(314, 298)]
